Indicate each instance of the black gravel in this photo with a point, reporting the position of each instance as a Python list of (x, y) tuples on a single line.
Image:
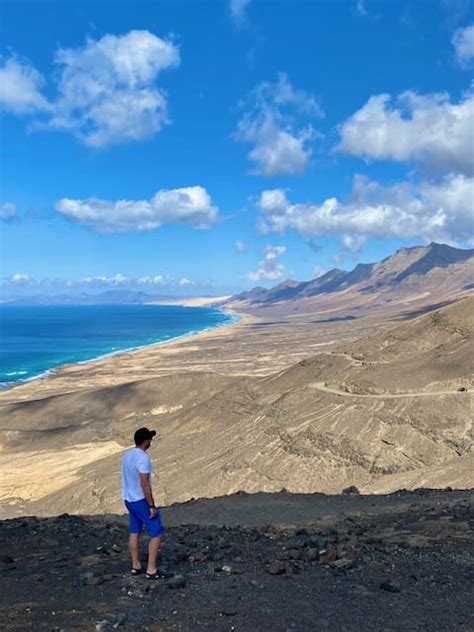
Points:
[(408, 568)]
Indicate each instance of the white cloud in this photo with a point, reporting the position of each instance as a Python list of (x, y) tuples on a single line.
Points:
[(185, 282), (353, 243), (270, 124), (432, 210), (240, 246), (188, 205), (158, 279), (238, 9), (106, 90), (7, 211), (117, 279), (148, 282), (96, 279), (463, 42), (278, 151), (20, 87), (91, 285), (20, 278), (270, 268), (430, 130)]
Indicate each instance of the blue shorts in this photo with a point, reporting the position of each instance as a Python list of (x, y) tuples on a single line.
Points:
[(139, 513)]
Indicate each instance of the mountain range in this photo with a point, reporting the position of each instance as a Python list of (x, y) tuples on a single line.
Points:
[(409, 270)]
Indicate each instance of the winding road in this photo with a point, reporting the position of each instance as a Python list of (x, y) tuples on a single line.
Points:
[(320, 386)]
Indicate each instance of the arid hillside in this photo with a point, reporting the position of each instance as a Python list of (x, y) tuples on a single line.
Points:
[(381, 413)]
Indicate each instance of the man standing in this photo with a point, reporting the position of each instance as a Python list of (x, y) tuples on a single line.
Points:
[(138, 496)]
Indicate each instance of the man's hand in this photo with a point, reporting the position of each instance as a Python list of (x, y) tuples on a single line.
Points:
[(145, 483)]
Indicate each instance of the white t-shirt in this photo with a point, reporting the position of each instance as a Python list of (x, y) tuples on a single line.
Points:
[(135, 462)]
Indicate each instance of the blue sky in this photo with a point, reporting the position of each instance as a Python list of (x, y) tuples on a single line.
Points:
[(204, 147)]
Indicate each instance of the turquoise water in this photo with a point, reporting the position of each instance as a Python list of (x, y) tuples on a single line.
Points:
[(37, 339)]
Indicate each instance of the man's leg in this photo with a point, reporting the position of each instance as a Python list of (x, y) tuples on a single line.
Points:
[(153, 550), (134, 548)]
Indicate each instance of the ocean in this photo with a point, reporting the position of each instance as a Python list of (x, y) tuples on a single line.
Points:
[(38, 339)]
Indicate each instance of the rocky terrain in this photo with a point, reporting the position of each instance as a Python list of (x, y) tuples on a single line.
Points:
[(275, 563)]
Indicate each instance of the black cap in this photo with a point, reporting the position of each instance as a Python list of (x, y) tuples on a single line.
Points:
[(143, 434)]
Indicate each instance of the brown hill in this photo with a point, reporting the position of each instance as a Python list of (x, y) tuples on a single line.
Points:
[(382, 413), (433, 351)]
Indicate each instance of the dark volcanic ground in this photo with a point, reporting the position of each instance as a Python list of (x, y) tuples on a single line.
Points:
[(398, 562)]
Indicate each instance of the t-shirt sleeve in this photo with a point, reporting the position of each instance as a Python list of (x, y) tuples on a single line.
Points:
[(144, 464)]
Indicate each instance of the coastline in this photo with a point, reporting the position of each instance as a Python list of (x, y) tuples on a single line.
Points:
[(235, 317)]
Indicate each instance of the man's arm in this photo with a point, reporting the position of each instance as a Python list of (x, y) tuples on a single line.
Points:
[(145, 483)]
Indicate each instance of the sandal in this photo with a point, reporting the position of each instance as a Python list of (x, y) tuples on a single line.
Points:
[(136, 571), (159, 574)]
